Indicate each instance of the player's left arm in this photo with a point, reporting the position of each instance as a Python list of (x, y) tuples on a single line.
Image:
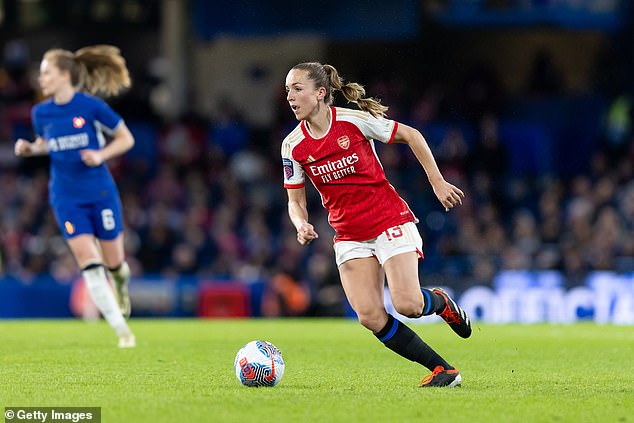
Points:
[(122, 141), (448, 194)]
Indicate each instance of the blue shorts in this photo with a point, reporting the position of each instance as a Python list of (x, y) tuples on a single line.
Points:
[(102, 218)]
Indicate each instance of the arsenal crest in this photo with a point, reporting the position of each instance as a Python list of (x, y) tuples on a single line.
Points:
[(344, 142)]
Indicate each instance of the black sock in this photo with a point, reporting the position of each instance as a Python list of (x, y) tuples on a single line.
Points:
[(405, 342), (434, 303), (91, 266), (115, 269)]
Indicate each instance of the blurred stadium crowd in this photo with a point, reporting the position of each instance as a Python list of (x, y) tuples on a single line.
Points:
[(548, 177)]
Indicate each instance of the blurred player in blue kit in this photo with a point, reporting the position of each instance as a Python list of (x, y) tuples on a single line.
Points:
[(73, 127)]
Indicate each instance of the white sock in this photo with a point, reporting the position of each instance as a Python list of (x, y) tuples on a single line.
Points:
[(103, 297)]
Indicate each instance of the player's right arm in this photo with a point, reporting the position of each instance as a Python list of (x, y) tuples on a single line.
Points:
[(298, 213), (24, 148)]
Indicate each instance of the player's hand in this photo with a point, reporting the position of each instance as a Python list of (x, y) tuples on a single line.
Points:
[(448, 195), (23, 148), (91, 158), (306, 233)]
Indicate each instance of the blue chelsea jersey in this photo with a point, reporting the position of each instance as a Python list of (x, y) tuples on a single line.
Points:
[(80, 124)]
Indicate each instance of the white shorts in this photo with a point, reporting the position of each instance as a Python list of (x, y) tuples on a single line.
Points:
[(396, 240)]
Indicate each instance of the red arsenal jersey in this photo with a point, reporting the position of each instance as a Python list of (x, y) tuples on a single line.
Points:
[(345, 169)]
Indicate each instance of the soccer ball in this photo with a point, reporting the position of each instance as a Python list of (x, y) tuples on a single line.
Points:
[(259, 363)]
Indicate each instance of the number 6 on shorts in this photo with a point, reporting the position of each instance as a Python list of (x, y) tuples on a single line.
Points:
[(107, 219)]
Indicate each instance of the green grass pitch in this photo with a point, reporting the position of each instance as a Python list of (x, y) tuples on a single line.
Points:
[(336, 371)]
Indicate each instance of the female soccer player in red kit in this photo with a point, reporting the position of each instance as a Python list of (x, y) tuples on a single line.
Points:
[(375, 230)]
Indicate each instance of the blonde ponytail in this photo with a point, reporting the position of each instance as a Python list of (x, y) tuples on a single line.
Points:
[(103, 70), (98, 69)]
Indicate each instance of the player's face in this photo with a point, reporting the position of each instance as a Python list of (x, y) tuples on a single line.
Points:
[(51, 78), (301, 94)]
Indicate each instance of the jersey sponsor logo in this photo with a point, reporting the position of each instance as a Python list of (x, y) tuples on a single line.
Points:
[(68, 142), (288, 168), (344, 142), (335, 169), (79, 122), (331, 166)]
